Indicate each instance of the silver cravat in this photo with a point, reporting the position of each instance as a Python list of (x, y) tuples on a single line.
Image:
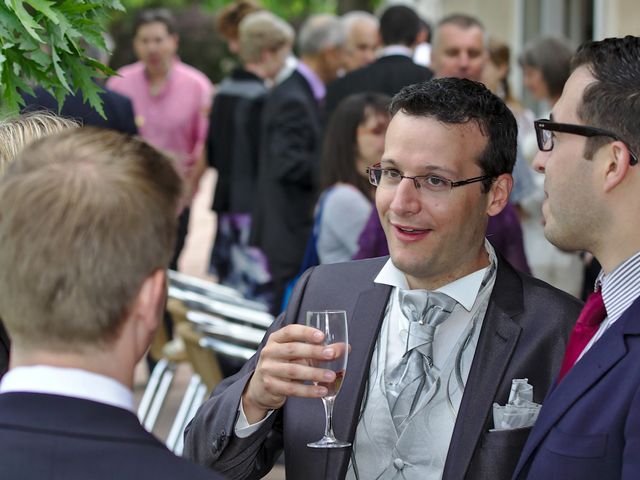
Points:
[(414, 376)]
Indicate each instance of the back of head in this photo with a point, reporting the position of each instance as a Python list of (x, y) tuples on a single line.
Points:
[(457, 101), (229, 18), (319, 33), (399, 25), (87, 216), (500, 56), (260, 31), (499, 52), (552, 56), (612, 102), (17, 132), (155, 15)]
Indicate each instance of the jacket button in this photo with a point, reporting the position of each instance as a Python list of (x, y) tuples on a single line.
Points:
[(398, 463)]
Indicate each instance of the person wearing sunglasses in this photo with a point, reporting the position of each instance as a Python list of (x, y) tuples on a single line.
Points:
[(588, 426), (438, 330)]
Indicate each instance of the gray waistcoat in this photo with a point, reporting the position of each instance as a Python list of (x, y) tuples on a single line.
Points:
[(420, 451)]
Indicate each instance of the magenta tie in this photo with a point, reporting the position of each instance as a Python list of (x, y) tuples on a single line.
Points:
[(592, 315)]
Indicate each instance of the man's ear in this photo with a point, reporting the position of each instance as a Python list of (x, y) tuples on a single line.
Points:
[(151, 299), (618, 163), (499, 194)]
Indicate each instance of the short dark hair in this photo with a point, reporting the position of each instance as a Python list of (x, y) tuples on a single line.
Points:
[(612, 102), (339, 149), (459, 101), (399, 25), (552, 56), (153, 15)]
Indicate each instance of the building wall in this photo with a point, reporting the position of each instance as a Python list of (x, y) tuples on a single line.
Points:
[(615, 18), (501, 17)]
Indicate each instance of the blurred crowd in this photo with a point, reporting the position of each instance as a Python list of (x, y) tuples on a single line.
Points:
[(296, 133), (291, 140)]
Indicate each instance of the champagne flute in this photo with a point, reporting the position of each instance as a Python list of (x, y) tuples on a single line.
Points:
[(334, 326)]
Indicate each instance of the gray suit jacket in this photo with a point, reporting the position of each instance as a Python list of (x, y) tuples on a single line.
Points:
[(523, 336)]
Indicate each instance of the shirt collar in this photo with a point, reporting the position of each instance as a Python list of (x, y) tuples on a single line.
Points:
[(464, 290), (317, 86), (396, 50), (620, 287), (68, 382)]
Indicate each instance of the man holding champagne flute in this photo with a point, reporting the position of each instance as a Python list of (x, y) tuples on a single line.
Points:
[(437, 331)]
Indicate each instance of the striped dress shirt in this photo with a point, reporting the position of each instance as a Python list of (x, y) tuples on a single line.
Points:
[(620, 289)]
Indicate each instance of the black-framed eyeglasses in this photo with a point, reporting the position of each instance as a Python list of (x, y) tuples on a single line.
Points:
[(391, 177), (545, 128)]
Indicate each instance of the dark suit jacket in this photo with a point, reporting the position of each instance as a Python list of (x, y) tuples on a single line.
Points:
[(386, 75), (117, 108), (290, 143), (233, 143), (523, 336), (51, 436), (589, 426)]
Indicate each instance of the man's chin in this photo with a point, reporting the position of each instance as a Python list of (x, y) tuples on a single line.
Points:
[(558, 240)]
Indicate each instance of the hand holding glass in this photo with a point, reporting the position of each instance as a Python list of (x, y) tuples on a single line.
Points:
[(334, 326)]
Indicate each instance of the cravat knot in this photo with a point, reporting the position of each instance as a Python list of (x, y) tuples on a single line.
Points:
[(414, 376), (425, 311)]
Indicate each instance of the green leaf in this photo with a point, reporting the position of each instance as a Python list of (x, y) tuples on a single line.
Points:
[(41, 44), (44, 6), (29, 24)]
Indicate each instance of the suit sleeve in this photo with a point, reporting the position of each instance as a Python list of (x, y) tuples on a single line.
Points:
[(292, 142), (209, 437)]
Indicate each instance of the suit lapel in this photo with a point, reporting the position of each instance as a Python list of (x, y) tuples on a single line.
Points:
[(604, 354), (495, 348), (364, 327)]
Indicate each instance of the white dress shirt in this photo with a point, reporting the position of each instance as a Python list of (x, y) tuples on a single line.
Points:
[(68, 382), (463, 290)]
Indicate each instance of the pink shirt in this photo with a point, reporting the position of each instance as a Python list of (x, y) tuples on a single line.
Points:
[(176, 118)]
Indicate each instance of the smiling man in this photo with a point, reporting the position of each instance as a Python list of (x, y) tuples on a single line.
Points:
[(589, 149), (438, 331)]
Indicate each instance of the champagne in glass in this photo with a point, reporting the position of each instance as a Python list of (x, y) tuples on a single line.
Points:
[(334, 326)]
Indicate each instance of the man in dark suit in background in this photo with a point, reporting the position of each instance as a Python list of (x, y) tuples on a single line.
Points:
[(87, 227), (290, 143), (589, 426), (394, 69), (117, 108), (449, 151)]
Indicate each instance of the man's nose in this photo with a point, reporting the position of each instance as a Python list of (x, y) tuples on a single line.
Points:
[(406, 198), (540, 161), (463, 60)]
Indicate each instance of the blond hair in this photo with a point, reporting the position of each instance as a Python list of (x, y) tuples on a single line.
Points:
[(260, 31), (87, 216), (17, 132)]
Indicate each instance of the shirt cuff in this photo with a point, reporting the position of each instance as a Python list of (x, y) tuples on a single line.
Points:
[(243, 429)]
